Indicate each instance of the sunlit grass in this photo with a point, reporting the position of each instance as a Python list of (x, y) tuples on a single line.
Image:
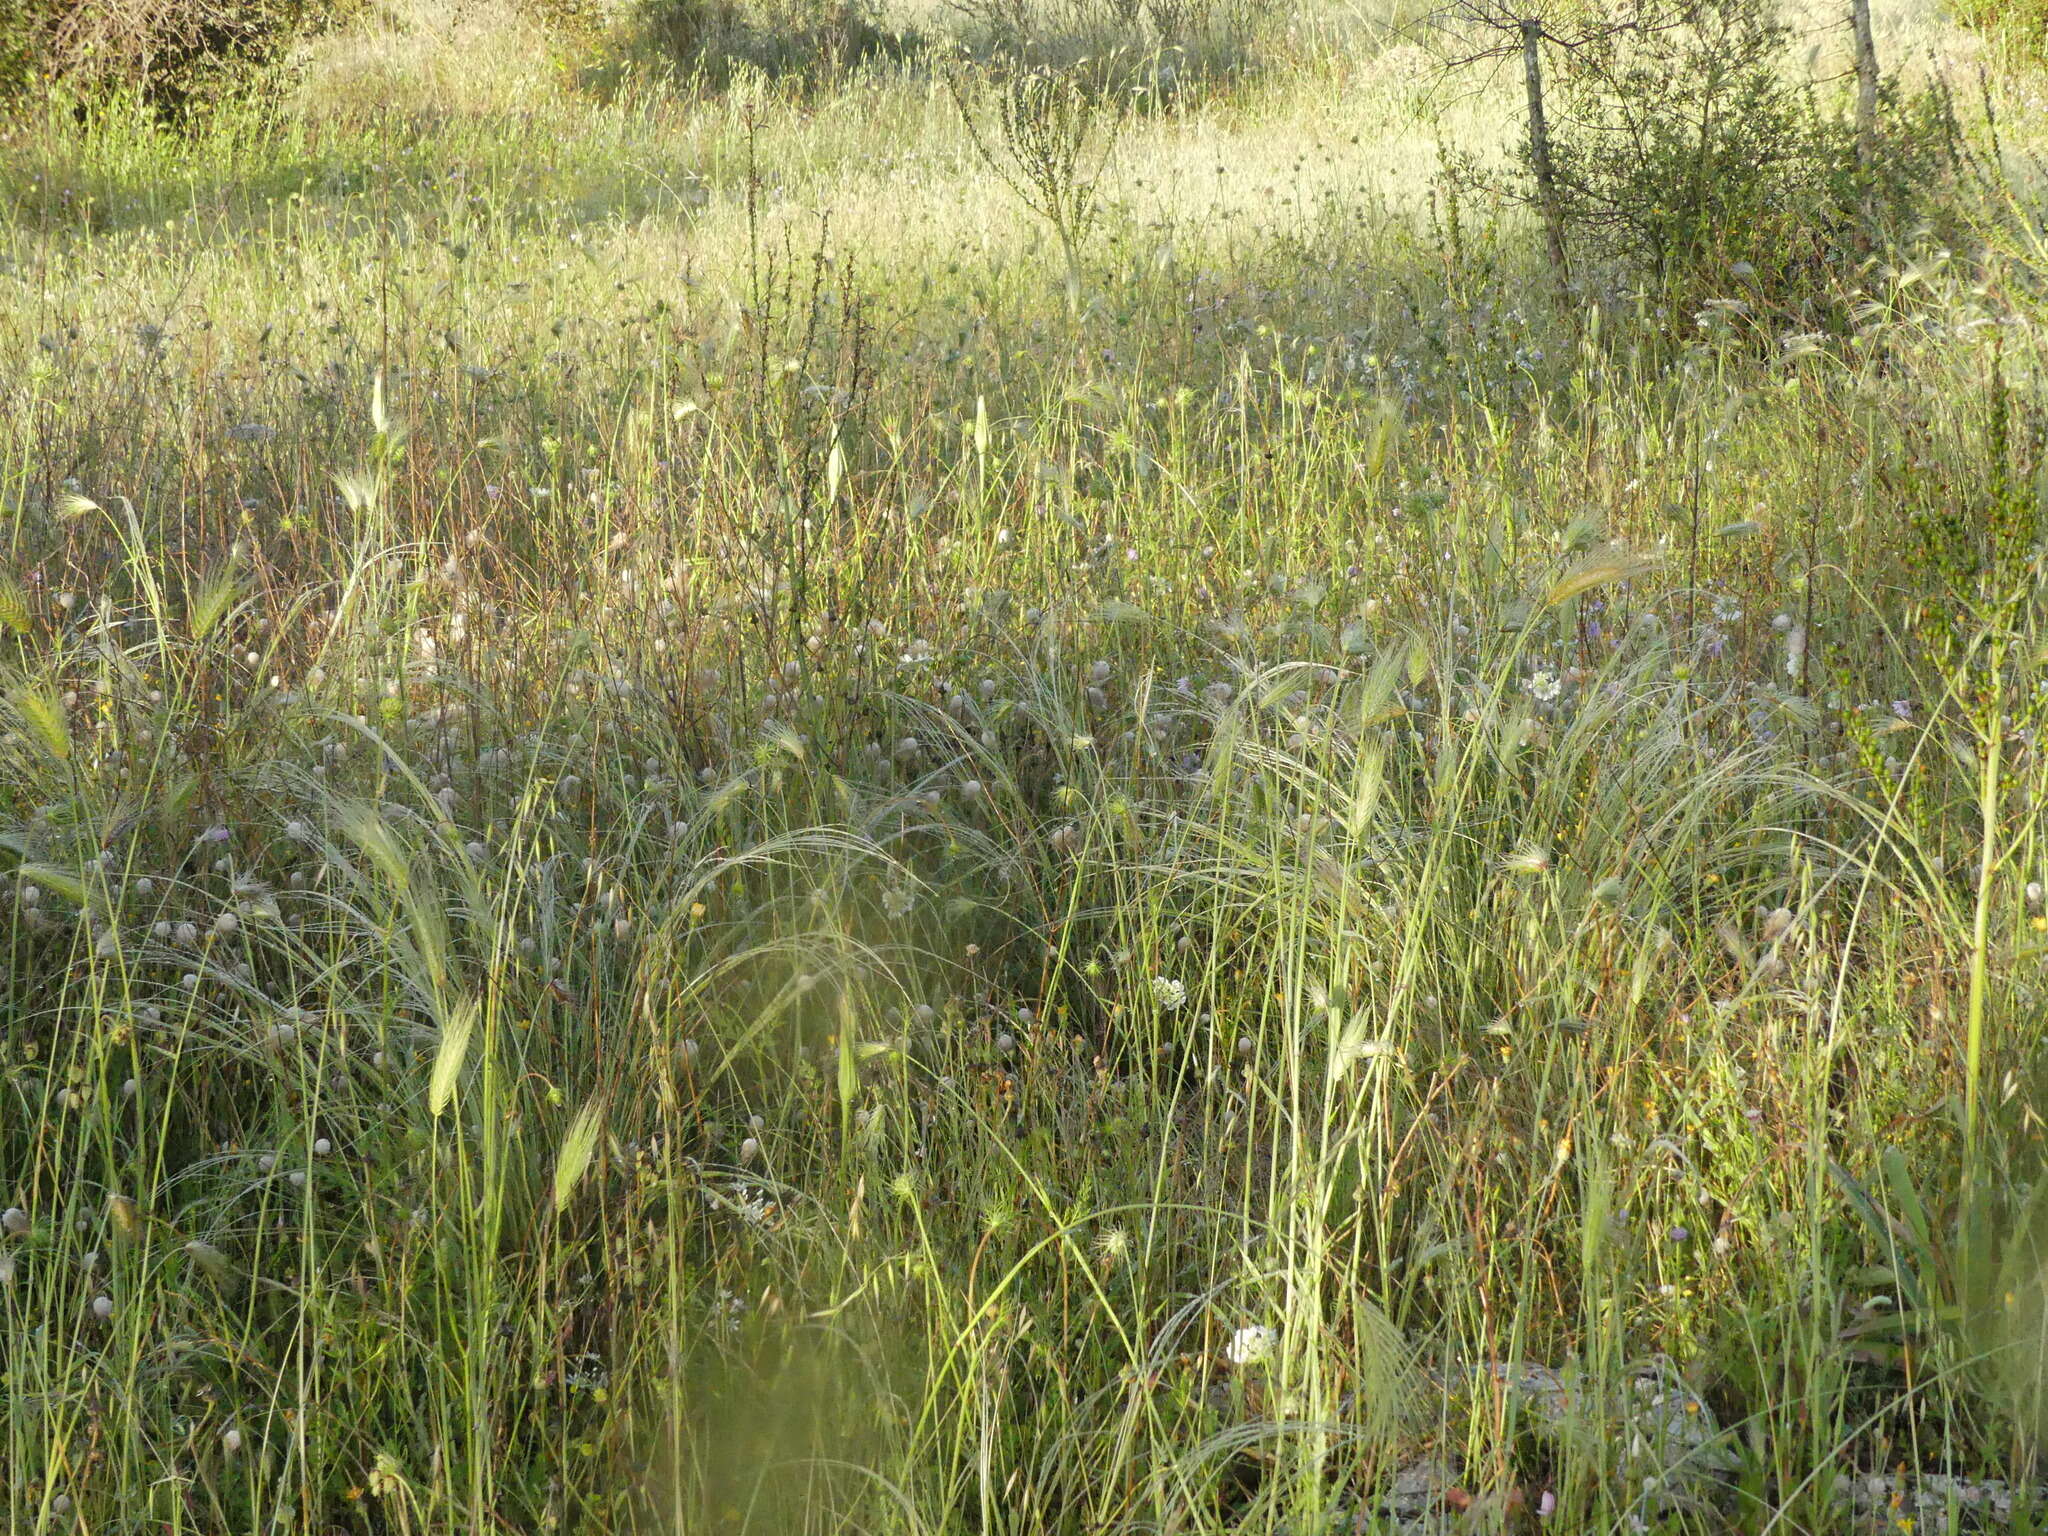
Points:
[(682, 854)]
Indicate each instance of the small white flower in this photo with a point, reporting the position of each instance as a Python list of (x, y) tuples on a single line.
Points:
[(1544, 686), (1168, 993), (1252, 1345)]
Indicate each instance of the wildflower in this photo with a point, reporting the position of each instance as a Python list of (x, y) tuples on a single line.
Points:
[(1727, 610), (1544, 686), (386, 1477), (751, 1208), (13, 1221), (1111, 1246), (1252, 1345), (1168, 993)]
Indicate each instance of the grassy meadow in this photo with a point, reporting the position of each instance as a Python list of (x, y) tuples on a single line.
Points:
[(692, 839)]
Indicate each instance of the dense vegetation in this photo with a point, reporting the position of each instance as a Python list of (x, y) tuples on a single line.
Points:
[(1002, 770)]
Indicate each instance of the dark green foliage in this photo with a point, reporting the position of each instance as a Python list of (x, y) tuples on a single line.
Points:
[(17, 58)]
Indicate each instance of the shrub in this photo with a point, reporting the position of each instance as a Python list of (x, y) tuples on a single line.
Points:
[(813, 39), (1198, 38), (1686, 141), (1685, 150), (174, 55)]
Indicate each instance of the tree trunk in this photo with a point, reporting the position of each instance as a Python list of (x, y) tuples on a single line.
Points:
[(1539, 154), (1866, 86)]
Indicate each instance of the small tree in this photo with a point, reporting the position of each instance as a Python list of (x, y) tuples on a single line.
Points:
[(1499, 30), (1047, 137), (1689, 141), (1669, 135)]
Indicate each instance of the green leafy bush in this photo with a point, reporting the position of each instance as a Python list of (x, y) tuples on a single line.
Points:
[(1687, 150), (1676, 142)]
